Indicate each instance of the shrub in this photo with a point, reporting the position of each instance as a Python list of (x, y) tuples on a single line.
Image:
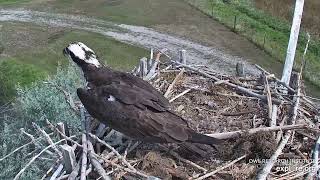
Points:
[(35, 103), (43, 101)]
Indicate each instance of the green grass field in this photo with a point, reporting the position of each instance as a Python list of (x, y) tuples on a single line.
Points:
[(172, 16), (39, 49), (267, 32), (283, 9), (42, 46), (12, 2)]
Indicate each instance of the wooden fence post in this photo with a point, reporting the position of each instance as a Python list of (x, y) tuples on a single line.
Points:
[(235, 23), (183, 57), (150, 61), (143, 67), (240, 69)]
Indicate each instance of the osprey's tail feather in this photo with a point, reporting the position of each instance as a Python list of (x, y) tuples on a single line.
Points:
[(203, 139)]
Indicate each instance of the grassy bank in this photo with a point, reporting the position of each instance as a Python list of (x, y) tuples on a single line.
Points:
[(267, 32), (12, 2), (137, 12), (28, 51), (284, 9)]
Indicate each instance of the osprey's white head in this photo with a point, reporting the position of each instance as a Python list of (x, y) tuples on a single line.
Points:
[(81, 54)]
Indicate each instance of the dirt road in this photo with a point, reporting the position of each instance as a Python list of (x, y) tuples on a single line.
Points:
[(216, 59)]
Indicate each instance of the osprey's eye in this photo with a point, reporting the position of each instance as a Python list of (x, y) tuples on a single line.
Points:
[(111, 98)]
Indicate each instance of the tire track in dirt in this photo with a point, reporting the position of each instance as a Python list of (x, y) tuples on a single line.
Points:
[(215, 59)]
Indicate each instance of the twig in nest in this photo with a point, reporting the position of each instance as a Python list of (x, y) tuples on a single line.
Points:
[(74, 172), (184, 160), (173, 83), (269, 100), (48, 139), (237, 87), (34, 141), (113, 150), (315, 160), (238, 113), (130, 170), (52, 127), (49, 170), (303, 63), (57, 172), (237, 134), (277, 80), (280, 133), (35, 157), (221, 168), (179, 95), (27, 134), (17, 149), (268, 166), (84, 157), (126, 151), (96, 163)]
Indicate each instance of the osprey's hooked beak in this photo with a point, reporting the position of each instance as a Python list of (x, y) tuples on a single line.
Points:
[(65, 52)]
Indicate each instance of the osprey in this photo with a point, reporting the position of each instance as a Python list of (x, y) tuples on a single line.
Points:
[(129, 104)]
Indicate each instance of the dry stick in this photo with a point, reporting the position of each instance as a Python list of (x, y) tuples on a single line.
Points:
[(96, 163), (238, 113), (34, 141), (307, 135), (130, 167), (63, 175), (35, 157), (112, 149), (303, 63), (116, 169), (126, 151), (130, 170), (62, 129), (184, 160), (27, 134), (89, 170), (268, 166), (74, 172), (277, 80), (236, 134), (180, 95), (49, 170), (220, 168), (237, 87), (57, 172), (52, 127), (47, 137), (84, 157), (315, 160), (17, 149), (280, 133), (173, 83), (234, 95), (269, 101)]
